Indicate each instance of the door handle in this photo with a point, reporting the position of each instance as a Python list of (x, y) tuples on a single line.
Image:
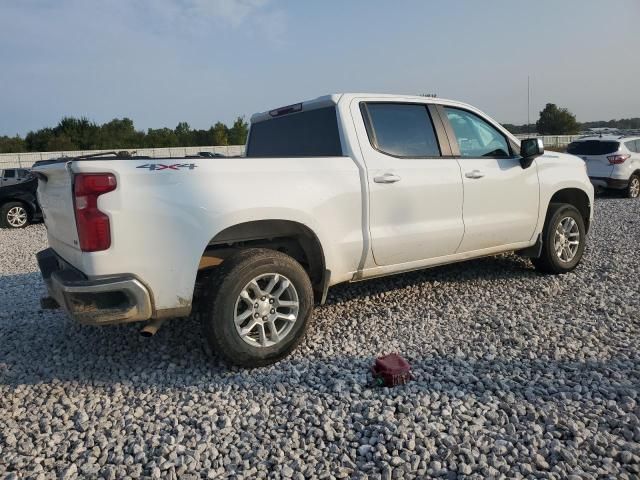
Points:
[(387, 178), (474, 174)]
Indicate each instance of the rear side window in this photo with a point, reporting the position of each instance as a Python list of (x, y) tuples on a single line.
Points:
[(313, 133), (9, 173), (593, 147), (402, 130)]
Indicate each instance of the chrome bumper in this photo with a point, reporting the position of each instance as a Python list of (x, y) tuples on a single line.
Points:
[(112, 299)]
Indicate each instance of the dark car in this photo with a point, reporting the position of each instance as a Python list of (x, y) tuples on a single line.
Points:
[(19, 204)]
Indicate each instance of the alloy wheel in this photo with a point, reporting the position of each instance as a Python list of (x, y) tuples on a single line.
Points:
[(566, 239), (634, 187), (266, 310), (17, 217)]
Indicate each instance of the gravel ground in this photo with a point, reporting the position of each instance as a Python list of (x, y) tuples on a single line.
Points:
[(516, 375)]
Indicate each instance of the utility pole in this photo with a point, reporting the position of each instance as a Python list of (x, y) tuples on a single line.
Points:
[(528, 104)]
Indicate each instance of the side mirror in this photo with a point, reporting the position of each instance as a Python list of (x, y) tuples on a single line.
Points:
[(530, 149)]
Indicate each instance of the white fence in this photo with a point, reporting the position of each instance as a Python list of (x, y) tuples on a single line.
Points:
[(551, 140), (26, 160)]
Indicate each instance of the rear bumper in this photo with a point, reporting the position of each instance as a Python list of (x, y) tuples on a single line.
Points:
[(607, 182), (113, 299)]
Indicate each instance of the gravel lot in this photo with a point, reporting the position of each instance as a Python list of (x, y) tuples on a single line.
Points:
[(516, 375)]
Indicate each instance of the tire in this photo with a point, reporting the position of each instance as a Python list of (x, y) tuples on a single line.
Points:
[(230, 296), (633, 189), (14, 215), (560, 216)]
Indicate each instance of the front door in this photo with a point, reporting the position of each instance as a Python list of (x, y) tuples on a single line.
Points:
[(501, 199), (415, 192)]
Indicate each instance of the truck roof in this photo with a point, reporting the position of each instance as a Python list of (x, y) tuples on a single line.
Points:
[(335, 98)]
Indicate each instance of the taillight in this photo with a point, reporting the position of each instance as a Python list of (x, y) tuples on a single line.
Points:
[(94, 231), (617, 159)]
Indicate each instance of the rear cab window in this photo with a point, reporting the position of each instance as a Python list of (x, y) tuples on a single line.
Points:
[(593, 147), (403, 130), (312, 133)]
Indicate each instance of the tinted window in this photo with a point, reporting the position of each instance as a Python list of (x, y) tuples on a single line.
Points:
[(9, 173), (476, 137), (402, 130), (638, 146), (306, 134), (593, 147), (631, 146)]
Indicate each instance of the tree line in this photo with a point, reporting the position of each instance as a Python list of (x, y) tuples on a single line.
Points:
[(560, 121), (120, 133)]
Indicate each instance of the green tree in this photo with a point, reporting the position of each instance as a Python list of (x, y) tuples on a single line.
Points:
[(79, 131), (119, 133), (556, 121), (238, 132), (61, 142), (184, 134), (38, 141), (220, 134), (12, 144), (161, 137)]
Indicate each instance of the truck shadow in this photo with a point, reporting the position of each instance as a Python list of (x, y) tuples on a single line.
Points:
[(507, 266), (41, 347)]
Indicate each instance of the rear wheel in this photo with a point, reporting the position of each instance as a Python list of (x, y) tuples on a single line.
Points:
[(257, 307), (14, 215), (563, 240), (633, 189)]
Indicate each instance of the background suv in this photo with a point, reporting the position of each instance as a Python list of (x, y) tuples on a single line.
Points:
[(612, 162)]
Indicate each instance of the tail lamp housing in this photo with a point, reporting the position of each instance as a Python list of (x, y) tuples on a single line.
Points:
[(94, 230), (617, 159)]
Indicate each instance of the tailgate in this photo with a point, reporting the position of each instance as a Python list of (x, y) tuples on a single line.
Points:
[(598, 165), (55, 195)]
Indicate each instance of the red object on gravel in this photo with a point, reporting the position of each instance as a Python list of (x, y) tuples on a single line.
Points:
[(391, 370)]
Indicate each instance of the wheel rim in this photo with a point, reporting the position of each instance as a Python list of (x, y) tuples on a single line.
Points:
[(266, 310), (17, 217), (634, 187), (567, 239)]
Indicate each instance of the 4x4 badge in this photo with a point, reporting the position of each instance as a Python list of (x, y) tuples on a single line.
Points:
[(162, 166)]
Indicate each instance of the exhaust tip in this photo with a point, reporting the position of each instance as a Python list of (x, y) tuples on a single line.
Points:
[(146, 333), (151, 328)]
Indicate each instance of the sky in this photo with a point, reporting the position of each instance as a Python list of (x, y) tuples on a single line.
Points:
[(160, 62)]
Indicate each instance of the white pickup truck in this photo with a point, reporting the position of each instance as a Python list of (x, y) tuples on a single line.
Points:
[(337, 189)]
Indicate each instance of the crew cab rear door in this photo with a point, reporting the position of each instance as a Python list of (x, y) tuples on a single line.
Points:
[(415, 186), (501, 199)]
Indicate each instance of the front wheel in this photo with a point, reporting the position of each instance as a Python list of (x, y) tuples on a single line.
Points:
[(14, 215), (258, 305), (633, 189), (563, 240)]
